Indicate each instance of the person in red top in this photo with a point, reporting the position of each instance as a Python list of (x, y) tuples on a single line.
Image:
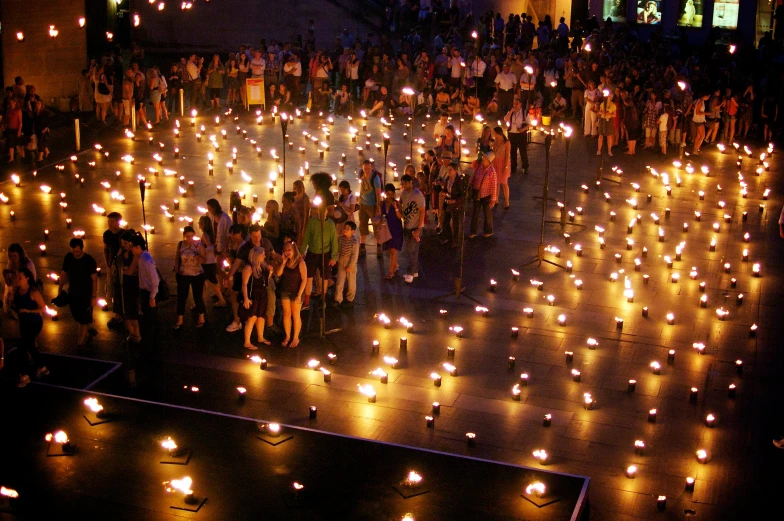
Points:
[(13, 129), (484, 193)]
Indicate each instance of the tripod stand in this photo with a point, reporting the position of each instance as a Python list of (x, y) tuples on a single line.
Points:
[(567, 133), (459, 290), (539, 257)]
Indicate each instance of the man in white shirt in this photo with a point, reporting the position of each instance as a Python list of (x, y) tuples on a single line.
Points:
[(257, 65), (527, 85), (192, 83), (518, 128), (440, 128), (292, 71), (456, 66), (476, 71), (505, 82)]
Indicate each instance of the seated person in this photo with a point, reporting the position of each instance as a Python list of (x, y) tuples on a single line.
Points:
[(558, 106), (443, 101), (342, 98), (492, 105), (471, 107), (382, 103), (424, 102), (322, 97)]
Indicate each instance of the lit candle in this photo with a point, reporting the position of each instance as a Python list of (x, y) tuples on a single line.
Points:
[(631, 386), (693, 394), (652, 416), (548, 420)]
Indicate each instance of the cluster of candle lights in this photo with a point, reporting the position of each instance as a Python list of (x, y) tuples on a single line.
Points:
[(635, 223)]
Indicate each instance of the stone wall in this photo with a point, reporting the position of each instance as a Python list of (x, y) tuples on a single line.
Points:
[(52, 65)]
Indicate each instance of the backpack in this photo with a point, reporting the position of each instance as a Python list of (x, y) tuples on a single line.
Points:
[(163, 288)]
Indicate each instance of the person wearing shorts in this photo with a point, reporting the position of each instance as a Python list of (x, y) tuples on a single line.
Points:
[(80, 272), (292, 274)]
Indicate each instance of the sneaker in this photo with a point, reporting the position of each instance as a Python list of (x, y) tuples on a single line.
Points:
[(305, 307), (23, 381), (779, 444), (408, 278), (41, 371), (233, 327)]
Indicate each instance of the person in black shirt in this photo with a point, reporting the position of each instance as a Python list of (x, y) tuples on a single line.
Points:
[(80, 272), (111, 248)]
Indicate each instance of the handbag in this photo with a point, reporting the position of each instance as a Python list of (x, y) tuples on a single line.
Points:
[(381, 230), (163, 288)]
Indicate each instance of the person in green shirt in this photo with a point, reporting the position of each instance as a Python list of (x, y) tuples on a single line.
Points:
[(215, 74), (321, 243)]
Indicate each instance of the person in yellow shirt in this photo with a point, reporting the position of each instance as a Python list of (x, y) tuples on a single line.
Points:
[(605, 110)]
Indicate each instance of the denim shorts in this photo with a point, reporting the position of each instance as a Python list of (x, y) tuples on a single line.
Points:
[(289, 296)]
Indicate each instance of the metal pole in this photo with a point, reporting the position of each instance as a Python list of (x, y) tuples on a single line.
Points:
[(77, 135), (133, 116), (182, 103), (284, 163)]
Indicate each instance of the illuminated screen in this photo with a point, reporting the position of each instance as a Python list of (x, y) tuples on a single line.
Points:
[(649, 12), (615, 10), (725, 14), (690, 13)]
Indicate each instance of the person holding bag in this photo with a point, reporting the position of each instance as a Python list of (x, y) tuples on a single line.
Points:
[(484, 193), (255, 279), (190, 275), (393, 223)]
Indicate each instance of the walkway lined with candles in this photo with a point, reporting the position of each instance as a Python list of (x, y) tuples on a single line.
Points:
[(672, 258)]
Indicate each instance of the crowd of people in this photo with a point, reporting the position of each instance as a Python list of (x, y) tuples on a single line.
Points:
[(604, 77)]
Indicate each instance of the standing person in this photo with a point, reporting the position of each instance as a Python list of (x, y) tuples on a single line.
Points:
[(731, 118), (232, 82), (321, 242), (255, 278), (393, 215), (128, 271), (746, 109), (650, 118), (769, 115), (241, 259), (127, 97), (631, 121), (484, 193), (188, 260), (502, 149), (111, 249), (139, 98), (210, 265), (302, 205), (221, 222), (369, 204), (518, 130), (17, 259), (606, 110), (148, 288), (293, 275), (29, 306), (13, 129), (348, 248), (215, 73), (243, 66), (592, 97), (505, 82), (412, 204), (154, 87), (452, 189), (290, 223), (345, 206), (715, 106), (80, 272), (700, 112), (271, 228)]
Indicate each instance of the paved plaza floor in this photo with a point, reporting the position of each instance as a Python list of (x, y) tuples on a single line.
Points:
[(619, 305)]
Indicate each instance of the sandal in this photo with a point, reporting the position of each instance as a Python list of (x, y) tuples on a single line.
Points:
[(251, 347), (177, 327), (390, 276)]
